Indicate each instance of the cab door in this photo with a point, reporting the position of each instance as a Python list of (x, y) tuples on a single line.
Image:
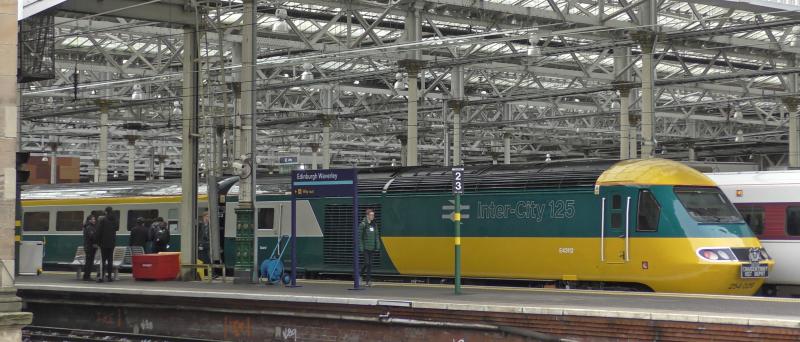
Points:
[(615, 232)]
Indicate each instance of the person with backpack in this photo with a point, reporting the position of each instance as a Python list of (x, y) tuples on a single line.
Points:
[(89, 246), (161, 235)]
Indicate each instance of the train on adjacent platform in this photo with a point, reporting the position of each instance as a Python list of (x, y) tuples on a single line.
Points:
[(769, 202), (642, 224)]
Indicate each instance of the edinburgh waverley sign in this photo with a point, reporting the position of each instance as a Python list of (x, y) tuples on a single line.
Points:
[(323, 183)]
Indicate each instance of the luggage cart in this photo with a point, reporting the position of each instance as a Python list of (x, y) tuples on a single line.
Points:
[(272, 268)]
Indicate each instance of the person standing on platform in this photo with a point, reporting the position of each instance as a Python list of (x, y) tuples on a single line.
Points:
[(151, 236), (161, 235), (140, 234), (107, 226), (203, 239), (89, 246), (370, 245)]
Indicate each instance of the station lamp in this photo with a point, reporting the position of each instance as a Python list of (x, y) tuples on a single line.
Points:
[(399, 84), (307, 75), (281, 26), (739, 136), (533, 48), (176, 108), (137, 93)]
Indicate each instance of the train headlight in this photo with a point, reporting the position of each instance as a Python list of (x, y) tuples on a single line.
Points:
[(709, 254), (716, 254)]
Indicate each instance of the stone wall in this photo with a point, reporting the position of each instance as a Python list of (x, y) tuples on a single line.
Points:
[(11, 319)]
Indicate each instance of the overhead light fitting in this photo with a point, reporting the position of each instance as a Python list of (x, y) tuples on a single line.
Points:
[(533, 48), (399, 84), (137, 93), (307, 75), (281, 26)]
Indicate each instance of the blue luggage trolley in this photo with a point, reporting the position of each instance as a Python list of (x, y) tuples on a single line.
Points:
[(272, 268)]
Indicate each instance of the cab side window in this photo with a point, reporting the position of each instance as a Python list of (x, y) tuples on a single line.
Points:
[(648, 213), (616, 211)]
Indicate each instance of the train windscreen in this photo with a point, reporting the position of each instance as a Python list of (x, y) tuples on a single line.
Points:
[(707, 205)]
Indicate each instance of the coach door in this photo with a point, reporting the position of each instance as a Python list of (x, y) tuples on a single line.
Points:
[(615, 228)]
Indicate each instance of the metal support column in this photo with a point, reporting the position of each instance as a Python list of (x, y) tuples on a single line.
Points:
[(457, 85), (326, 127), (413, 101), (314, 154), (647, 40), (53, 159), (191, 101), (245, 222), (794, 120), (691, 127), (794, 129), (403, 150), (507, 148), (412, 65), (131, 156), (623, 86)]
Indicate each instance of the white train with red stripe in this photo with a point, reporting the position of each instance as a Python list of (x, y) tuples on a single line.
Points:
[(770, 202)]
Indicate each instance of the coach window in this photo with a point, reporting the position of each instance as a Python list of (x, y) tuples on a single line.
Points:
[(149, 215), (649, 212), (754, 216), (67, 221), (36, 221), (793, 221), (266, 218)]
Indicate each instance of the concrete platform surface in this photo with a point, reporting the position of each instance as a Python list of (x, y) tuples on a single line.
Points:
[(751, 311)]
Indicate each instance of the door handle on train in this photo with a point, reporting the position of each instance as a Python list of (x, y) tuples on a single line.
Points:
[(621, 236)]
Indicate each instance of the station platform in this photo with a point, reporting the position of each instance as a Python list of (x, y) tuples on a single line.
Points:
[(322, 310)]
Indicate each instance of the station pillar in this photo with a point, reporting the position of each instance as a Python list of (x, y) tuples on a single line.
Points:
[(131, 156), (413, 68), (11, 318), (102, 153), (189, 141), (794, 130), (245, 268)]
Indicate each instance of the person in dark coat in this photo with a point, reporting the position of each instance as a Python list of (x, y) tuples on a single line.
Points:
[(140, 233), (160, 235), (203, 239), (89, 246), (107, 227), (370, 244)]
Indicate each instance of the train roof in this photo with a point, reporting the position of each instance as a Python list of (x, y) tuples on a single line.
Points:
[(540, 175), (155, 188), (783, 177), (568, 173)]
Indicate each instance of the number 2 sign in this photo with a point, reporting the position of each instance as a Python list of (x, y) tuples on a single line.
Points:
[(458, 180)]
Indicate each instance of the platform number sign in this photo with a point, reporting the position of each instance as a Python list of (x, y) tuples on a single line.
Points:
[(458, 180)]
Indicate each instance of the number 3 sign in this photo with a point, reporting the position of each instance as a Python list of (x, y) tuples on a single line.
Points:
[(458, 180)]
